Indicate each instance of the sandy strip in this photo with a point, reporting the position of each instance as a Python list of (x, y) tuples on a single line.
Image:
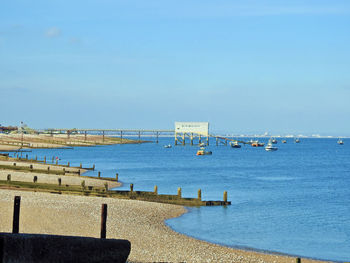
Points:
[(140, 222)]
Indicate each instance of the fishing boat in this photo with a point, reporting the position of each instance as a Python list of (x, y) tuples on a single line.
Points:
[(340, 142), (273, 140), (167, 146), (297, 140), (269, 147), (235, 145), (284, 141), (202, 151)]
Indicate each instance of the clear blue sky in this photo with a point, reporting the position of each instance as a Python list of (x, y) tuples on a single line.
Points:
[(245, 66)]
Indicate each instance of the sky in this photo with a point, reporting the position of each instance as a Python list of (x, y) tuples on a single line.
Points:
[(245, 66)]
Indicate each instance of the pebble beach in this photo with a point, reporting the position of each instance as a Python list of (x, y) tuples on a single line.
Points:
[(140, 222)]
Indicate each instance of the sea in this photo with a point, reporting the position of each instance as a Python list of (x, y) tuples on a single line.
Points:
[(293, 201)]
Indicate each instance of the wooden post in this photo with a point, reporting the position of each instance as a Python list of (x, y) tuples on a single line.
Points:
[(183, 139), (103, 136), (16, 210), (53, 159), (131, 187), (68, 164), (199, 194), (99, 174), (44, 159), (191, 138), (208, 140), (225, 196), (157, 135), (85, 136), (59, 181), (217, 141), (93, 167), (9, 177), (81, 165), (139, 136), (199, 139), (179, 192), (26, 156), (36, 157), (121, 136), (31, 167), (103, 220), (56, 161), (156, 189), (48, 169), (64, 170), (116, 177)]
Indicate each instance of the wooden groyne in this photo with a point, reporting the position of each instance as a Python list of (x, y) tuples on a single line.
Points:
[(105, 192)]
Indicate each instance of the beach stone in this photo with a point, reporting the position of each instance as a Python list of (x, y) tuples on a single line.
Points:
[(53, 248)]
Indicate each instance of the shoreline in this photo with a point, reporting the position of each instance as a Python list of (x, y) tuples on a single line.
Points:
[(141, 222)]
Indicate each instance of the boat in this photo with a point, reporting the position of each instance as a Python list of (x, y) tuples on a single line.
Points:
[(235, 145), (202, 151), (340, 142), (297, 140), (202, 144), (284, 141), (273, 140), (257, 144), (167, 146), (269, 147)]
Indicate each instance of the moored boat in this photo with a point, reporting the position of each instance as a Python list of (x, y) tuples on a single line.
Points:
[(202, 151), (257, 144), (273, 140), (269, 147), (340, 142), (167, 146), (284, 141), (297, 140), (235, 144)]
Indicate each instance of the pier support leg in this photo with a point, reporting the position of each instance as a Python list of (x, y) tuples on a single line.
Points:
[(225, 196), (191, 138), (199, 139), (157, 135), (85, 135), (183, 139), (199, 194), (103, 136), (217, 141), (139, 136), (121, 136)]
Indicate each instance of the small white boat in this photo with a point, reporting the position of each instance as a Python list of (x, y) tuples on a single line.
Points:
[(202, 144), (273, 140), (340, 142), (297, 140), (235, 145), (270, 148), (167, 146)]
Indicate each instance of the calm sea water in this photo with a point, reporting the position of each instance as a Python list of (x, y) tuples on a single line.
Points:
[(295, 200)]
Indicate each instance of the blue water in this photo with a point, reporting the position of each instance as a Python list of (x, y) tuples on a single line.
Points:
[(295, 200)]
